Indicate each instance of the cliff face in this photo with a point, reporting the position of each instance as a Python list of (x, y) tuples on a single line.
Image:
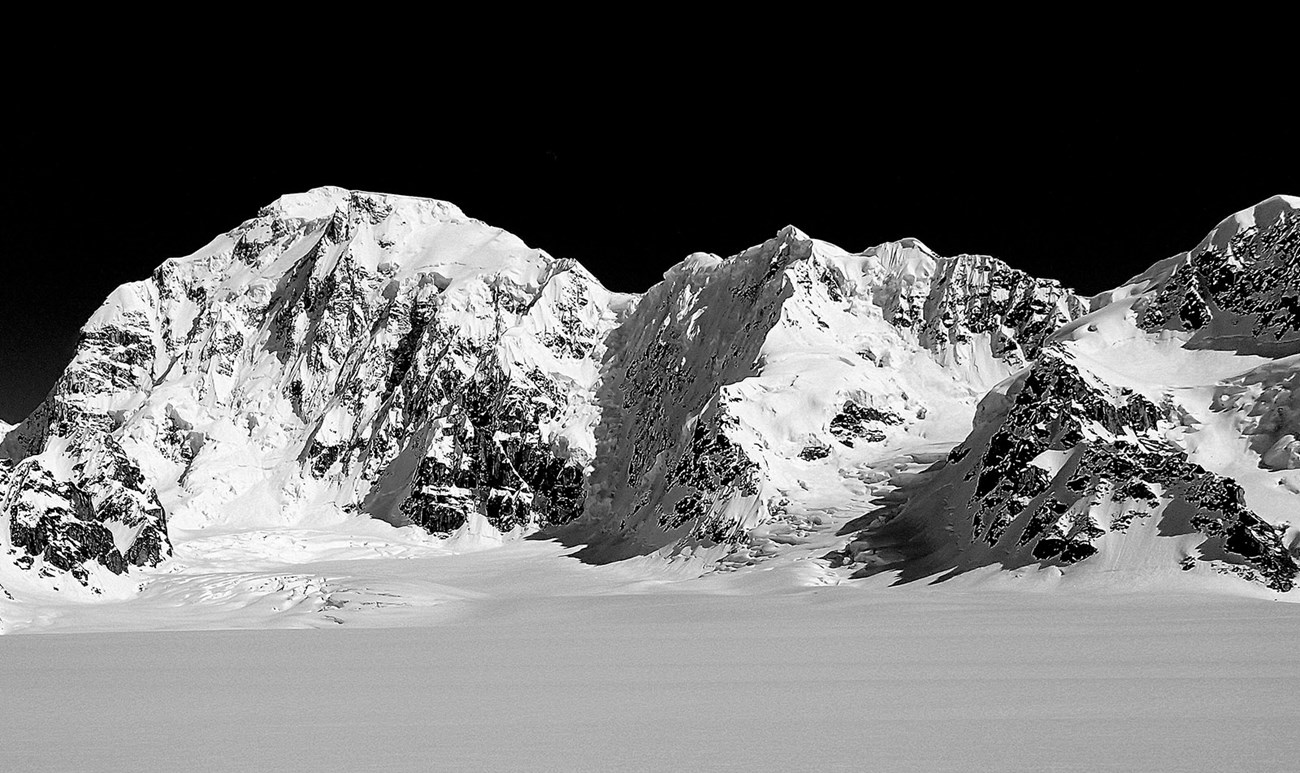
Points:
[(1238, 289), (1156, 434), (340, 353)]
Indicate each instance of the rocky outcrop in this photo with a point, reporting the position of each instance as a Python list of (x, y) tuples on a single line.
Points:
[(81, 504), (1239, 289), (1070, 466), (1126, 444), (971, 296)]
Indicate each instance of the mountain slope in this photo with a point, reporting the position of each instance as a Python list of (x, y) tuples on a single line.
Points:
[(1153, 436), (742, 388), (342, 352)]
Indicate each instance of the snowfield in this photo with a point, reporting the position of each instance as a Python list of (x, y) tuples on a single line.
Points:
[(513, 656), (827, 678)]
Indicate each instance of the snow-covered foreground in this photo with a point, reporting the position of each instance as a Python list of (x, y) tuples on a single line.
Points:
[(518, 658)]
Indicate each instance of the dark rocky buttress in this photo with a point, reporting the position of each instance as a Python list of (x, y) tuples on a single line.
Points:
[(1114, 472), (1239, 289), (101, 511)]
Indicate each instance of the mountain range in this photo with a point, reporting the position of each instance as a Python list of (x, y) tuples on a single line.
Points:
[(346, 355)]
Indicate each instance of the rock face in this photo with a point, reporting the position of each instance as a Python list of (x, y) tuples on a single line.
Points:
[(738, 382), (342, 352), (1239, 289), (1156, 433), (80, 504)]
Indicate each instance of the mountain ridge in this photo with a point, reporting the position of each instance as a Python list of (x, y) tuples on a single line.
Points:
[(1142, 421), (346, 354)]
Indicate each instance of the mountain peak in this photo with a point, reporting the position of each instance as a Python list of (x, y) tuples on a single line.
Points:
[(792, 233), (1261, 216), (324, 201)]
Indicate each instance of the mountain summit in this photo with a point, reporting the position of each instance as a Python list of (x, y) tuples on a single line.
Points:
[(740, 391), (342, 353)]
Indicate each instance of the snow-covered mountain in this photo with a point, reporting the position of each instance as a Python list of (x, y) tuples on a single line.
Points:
[(345, 356), (1155, 435), (342, 352), (741, 389)]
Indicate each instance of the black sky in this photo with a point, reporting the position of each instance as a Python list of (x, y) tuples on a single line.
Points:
[(1085, 186)]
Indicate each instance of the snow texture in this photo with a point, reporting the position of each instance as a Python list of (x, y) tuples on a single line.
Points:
[(537, 663)]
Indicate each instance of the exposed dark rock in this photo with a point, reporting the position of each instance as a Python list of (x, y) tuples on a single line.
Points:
[(813, 453), (1115, 456), (859, 422), (1250, 273), (107, 514)]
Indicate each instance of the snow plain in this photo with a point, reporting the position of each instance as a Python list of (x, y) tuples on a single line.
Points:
[(415, 654)]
